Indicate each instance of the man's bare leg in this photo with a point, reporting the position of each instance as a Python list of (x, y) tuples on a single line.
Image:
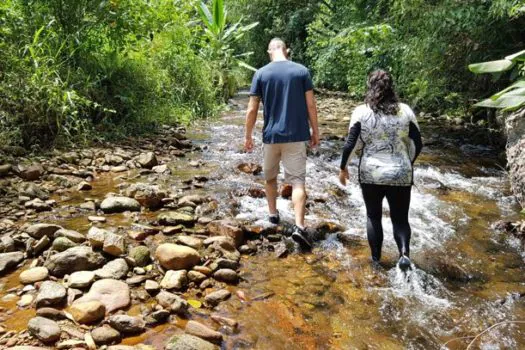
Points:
[(271, 196), (299, 204)]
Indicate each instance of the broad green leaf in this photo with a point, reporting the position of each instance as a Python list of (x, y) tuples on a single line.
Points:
[(505, 102), (195, 303), (491, 67), (518, 56), (516, 85), (218, 15), (247, 66), (207, 18)]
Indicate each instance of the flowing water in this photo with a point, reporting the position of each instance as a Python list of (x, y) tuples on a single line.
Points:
[(466, 277)]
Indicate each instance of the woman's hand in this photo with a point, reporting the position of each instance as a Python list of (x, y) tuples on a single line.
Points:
[(343, 176)]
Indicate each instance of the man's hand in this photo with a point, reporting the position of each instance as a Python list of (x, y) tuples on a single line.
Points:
[(314, 140), (248, 144), (343, 176)]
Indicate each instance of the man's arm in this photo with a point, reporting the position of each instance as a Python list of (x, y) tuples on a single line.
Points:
[(312, 117), (251, 118)]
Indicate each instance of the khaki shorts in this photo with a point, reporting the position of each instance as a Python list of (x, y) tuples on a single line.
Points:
[(293, 156)]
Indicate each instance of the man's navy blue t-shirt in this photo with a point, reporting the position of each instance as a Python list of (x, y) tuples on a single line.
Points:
[(282, 86)]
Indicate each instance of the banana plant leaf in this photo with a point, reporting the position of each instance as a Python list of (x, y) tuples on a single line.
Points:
[(491, 66)]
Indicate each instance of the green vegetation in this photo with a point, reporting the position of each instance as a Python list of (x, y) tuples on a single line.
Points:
[(75, 70), (512, 97), (427, 45)]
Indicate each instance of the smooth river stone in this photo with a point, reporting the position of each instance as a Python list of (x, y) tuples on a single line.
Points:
[(35, 274), (112, 293)]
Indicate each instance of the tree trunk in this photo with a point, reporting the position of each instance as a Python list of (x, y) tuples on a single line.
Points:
[(515, 128)]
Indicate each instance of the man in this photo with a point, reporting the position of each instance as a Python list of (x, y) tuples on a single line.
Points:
[(286, 91)]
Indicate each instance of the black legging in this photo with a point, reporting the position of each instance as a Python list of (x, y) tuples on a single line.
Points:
[(398, 198)]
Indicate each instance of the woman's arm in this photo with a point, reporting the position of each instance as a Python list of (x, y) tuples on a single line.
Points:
[(351, 141), (415, 135)]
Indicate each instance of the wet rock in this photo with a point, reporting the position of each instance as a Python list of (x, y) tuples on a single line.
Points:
[(136, 280), (31, 172), (203, 269), (189, 241), (199, 330), (38, 205), (286, 190), (152, 287), (226, 275), (196, 276), (189, 342), (96, 236), (87, 312), (214, 298), (74, 344), (51, 313), (61, 244), (225, 321), (72, 235), (127, 324), (111, 159), (89, 205), (192, 199), (174, 218), (39, 230), (105, 335), (227, 264), (114, 244), (7, 244), (72, 260), (174, 280), (149, 196), (84, 186), (96, 219), (171, 230), (112, 293), (250, 168), (32, 191), (119, 205), (176, 257), (39, 246), (5, 169), (228, 228), (25, 300), (161, 169), (81, 279), (140, 255), (147, 160), (115, 269), (172, 302), (44, 329), (158, 317), (50, 294), (32, 275), (10, 260)]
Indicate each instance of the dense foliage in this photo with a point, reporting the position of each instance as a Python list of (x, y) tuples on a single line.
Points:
[(426, 44), (72, 70)]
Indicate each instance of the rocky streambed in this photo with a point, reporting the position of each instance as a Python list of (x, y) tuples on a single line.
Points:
[(162, 242)]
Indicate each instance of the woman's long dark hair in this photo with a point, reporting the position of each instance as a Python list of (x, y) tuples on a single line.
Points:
[(381, 97)]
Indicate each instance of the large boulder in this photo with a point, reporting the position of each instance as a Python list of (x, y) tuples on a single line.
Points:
[(174, 218), (32, 275), (199, 330), (127, 324), (228, 228), (50, 294), (515, 129), (10, 260), (40, 230), (189, 342), (176, 257), (112, 293), (119, 205), (87, 312), (115, 269), (30, 172), (48, 331), (147, 160), (74, 259)]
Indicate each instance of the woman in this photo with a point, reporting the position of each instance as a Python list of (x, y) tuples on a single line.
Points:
[(387, 135)]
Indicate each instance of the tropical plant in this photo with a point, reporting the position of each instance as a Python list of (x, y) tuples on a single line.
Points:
[(512, 97), (222, 36)]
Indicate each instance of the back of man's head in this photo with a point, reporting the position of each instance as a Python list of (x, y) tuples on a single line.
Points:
[(277, 47)]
